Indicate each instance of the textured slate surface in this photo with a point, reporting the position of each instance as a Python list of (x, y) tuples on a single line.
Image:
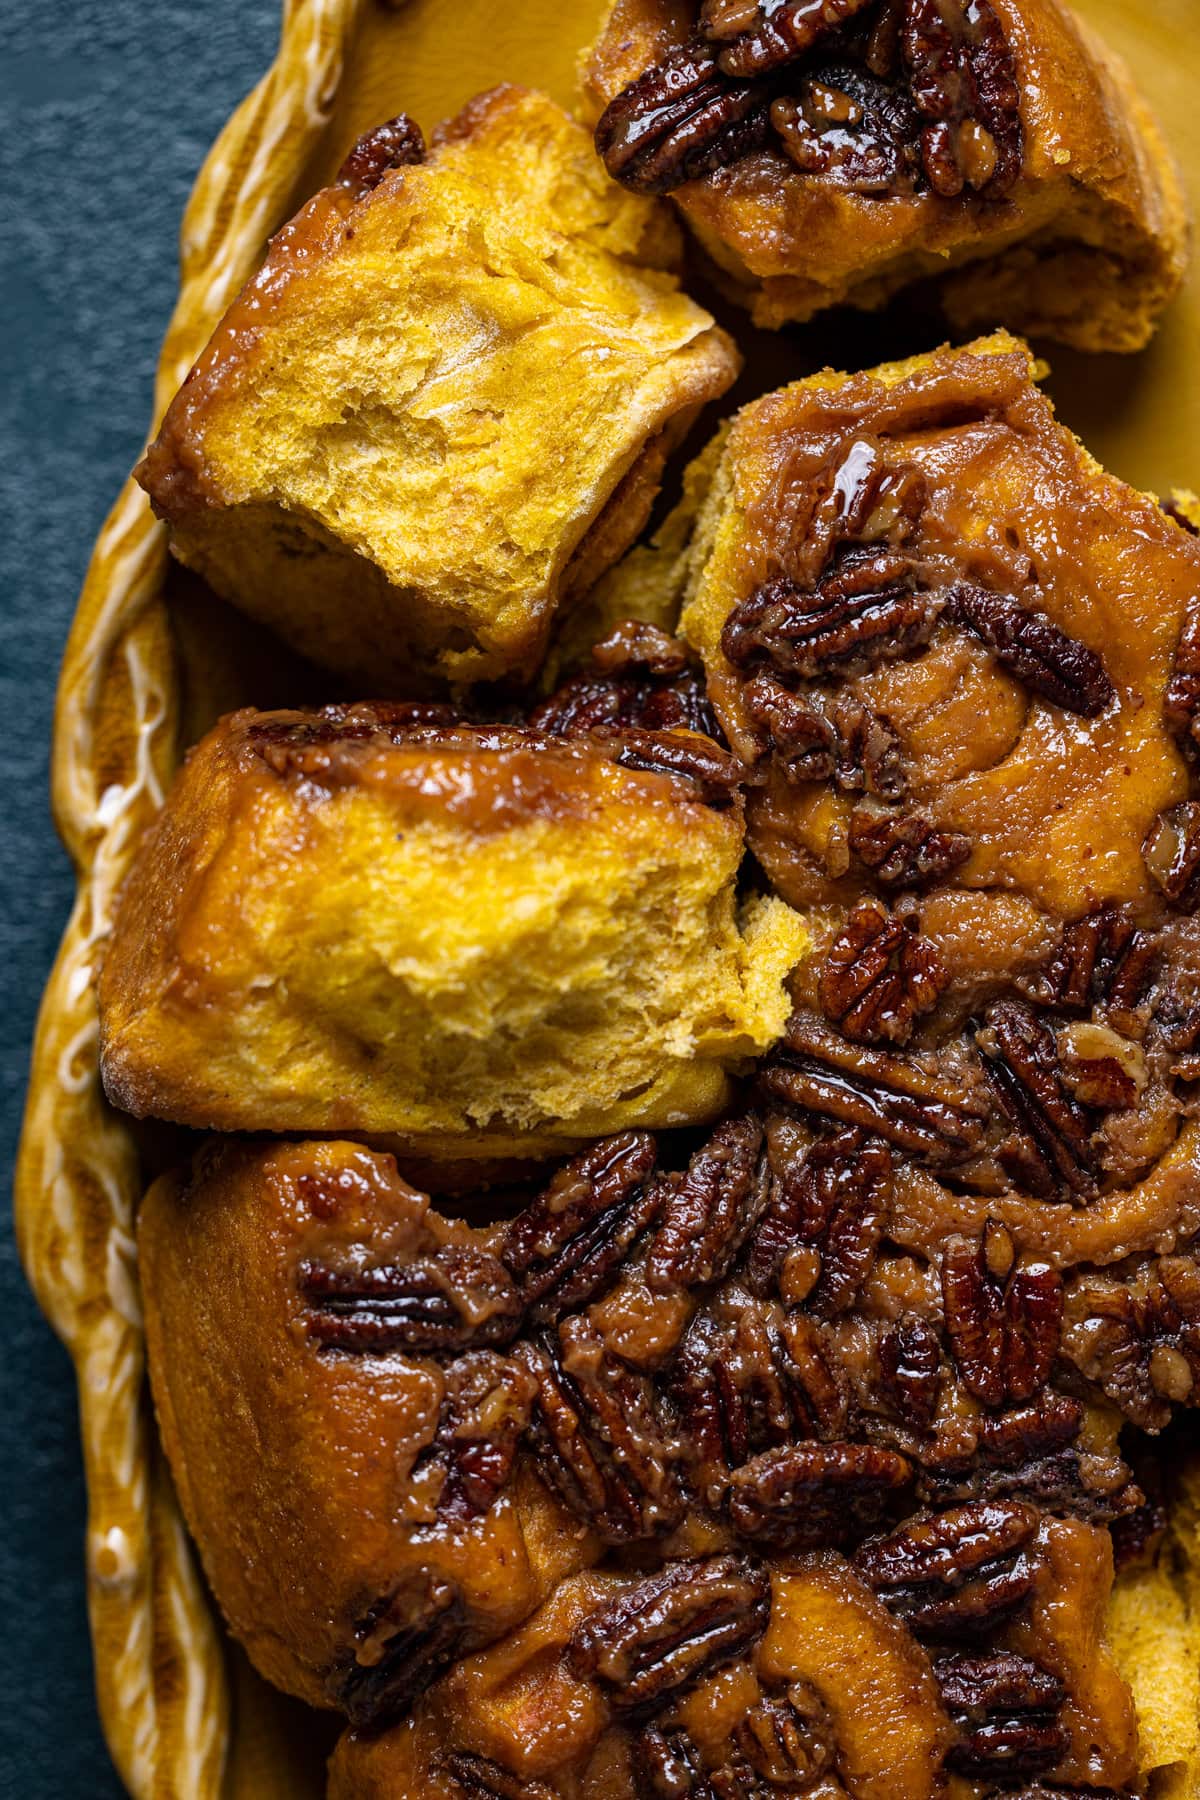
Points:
[(106, 110)]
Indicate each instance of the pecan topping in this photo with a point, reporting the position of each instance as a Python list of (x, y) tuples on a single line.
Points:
[(785, 1739), (1049, 1146), (642, 679), (396, 145), (1003, 1316), (883, 1094), (858, 132), (906, 851), (1031, 647), (1101, 957), (760, 38), (605, 1449), (1139, 1338), (682, 118), (910, 1363), (836, 1199), (956, 1571), (1181, 701), (880, 976), (485, 1410), (1172, 854), (749, 1379), (1006, 1710), (866, 609), (805, 1496), (403, 1642), (963, 80), (710, 1211), (575, 1236), (479, 1778), (661, 1636), (868, 752), (667, 1765), (813, 741), (686, 755), (455, 1298)]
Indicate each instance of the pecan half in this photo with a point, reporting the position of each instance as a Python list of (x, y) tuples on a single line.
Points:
[(856, 131), (1181, 700), (681, 119), (1100, 958), (402, 1643), (910, 1361), (1172, 854), (1031, 647), (866, 609), (485, 1409), (748, 1378), (662, 1635), (880, 976), (575, 1236), (685, 754), (479, 1778), (1049, 1146), (398, 144), (836, 1199), (708, 1213), (906, 851), (455, 1298), (886, 1095), (1138, 1337), (1005, 1708), (604, 1446), (963, 79), (806, 1496), (956, 1572), (786, 1739), (1003, 1316), (757, 39)]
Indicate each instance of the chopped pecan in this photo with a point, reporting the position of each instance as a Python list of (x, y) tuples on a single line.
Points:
[(398, 144), (797, 731), (1030, 646), (905, 850), (910, 1361), (686, 755), (886, 1095), (1137, 1535), (636, 644), (1049, 1145), (681, 119), (709, 1211), (756, 39), (455, 1298), (957, 1571), (1003, 1315), (659, 1637), (485, 1410), (786, 1739), (865, 609), (1172, 854), (479, 1778), (1005, 1708), (1138, 1337), (1181, 700), (836, 1199), (868, 752), (858, 132), (880, 975), (963, 80), (806, 1496), (575, 1236), (667, 1765), (866, 497), (748, 1378), (1101, 957), (605, 1448), (402, 1643)]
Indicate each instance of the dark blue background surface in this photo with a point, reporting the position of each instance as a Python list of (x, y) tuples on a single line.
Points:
[(106, 110)]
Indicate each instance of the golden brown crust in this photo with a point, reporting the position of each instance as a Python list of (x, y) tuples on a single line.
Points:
[(476, 941), (395, 488), (1088, 246)]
